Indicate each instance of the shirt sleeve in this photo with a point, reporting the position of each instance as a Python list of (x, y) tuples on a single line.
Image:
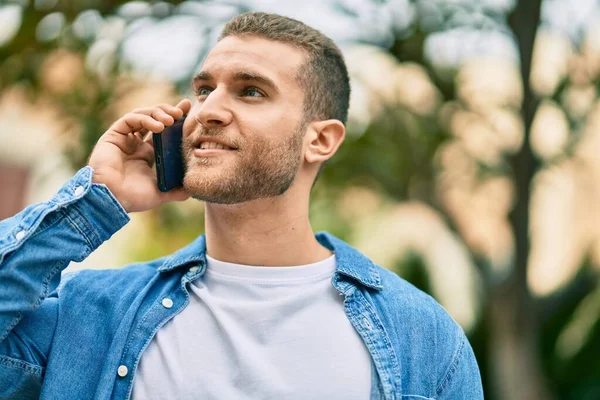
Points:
[(35, 246), (463, 380)]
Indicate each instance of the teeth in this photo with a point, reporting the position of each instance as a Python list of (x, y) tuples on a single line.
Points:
[(213, 145)]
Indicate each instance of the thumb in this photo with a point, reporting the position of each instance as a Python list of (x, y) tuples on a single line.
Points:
[(178, 194)]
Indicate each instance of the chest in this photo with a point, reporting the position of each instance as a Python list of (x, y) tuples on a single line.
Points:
[(250, 345), (110, 356)]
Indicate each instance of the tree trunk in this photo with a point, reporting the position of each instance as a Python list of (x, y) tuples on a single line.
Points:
[(514, 325), (514, 353)]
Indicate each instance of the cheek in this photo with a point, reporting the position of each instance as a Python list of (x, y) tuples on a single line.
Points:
[(273, 124)]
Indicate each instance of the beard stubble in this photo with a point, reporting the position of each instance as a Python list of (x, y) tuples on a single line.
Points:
[(261, 168)]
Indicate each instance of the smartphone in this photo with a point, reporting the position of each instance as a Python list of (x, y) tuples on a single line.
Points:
[(168, 156)]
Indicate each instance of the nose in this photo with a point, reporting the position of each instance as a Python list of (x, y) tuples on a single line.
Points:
[(214, 110)]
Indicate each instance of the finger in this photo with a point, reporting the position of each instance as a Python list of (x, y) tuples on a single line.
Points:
[(178, 111), (142, 134), (175, 111), (146, 153), (178, 194), (184, 105), (134, 122), (148, 137), (148, 141), (160, 113)]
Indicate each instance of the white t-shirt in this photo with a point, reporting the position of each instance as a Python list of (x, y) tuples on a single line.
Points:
[(258, 333)]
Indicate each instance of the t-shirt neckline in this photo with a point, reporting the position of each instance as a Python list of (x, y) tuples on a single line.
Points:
[(223, 269)]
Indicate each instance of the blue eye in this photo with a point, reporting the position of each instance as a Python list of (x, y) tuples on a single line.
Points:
[(252, 92), (204, 91)]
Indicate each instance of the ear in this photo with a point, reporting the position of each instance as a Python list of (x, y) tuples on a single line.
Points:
[(324, 138)]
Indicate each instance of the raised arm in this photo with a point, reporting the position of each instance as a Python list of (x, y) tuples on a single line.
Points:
[(41, 241)]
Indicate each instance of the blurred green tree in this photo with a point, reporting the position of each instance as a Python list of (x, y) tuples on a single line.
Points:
[(400, 152)]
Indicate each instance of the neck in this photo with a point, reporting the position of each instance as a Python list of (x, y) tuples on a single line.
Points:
[(267, 232)]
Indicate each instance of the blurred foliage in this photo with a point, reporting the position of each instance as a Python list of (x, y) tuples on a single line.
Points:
[(397, 155), (405, 173)]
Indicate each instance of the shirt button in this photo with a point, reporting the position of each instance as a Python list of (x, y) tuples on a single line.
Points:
[(167, 302), (122, 371), (20, 235), (79, 190), (194, 269)]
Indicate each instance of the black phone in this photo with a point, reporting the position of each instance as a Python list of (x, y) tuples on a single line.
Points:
[(168, 156)]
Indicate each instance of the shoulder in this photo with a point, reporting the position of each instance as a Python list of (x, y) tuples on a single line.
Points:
[(105, 297), (401, 298), (425, 336), (131, 277)]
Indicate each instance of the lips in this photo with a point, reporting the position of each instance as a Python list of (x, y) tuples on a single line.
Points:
[(209, 142), (213, 145)]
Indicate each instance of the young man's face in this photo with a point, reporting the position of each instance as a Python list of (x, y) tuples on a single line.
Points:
[(247, 99)]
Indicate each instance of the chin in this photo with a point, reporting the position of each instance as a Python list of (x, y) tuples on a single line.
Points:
[(221, 182), (203, 185), (199, 178)]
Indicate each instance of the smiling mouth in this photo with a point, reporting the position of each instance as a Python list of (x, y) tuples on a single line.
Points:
[(211, 149), (213, 145)]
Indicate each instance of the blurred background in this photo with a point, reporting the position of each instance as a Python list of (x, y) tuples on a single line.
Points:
[(471, 166)]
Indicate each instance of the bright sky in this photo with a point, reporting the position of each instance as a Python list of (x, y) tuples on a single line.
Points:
[(173, 47), (572, 17), (183, 37)]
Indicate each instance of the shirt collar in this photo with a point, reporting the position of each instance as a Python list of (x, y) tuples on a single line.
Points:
[(349, 261)]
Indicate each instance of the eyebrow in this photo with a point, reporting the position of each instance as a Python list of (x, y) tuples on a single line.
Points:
[(245, 76)]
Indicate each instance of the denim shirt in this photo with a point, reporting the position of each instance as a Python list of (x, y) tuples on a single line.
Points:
[(82, 336)]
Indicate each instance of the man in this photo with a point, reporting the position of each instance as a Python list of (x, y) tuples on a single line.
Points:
[(258, 307)]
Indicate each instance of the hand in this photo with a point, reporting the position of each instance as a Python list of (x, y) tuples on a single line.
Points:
[(123, 157)]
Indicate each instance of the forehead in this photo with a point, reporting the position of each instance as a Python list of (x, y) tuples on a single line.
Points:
[(278, 61)]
